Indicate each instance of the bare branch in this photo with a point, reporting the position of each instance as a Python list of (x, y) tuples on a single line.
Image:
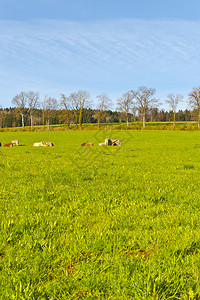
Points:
[(194, 101), (144, 99), (125, 103)]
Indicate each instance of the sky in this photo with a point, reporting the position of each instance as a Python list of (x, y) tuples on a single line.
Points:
[(102, 46)]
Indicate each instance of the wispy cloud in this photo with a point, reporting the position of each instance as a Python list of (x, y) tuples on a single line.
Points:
[(60, 56)]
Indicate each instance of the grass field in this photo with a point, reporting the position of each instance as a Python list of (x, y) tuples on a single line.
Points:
[(100, 222)]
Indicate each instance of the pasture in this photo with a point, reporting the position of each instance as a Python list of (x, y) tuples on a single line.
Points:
[(100, 222)]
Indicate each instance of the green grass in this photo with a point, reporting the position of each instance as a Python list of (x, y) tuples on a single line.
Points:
[(100, 222)]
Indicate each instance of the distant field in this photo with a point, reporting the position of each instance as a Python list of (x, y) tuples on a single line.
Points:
[(100, 222)]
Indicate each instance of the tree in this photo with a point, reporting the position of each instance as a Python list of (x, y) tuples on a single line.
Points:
[(144, 100), (49, 105), (173, 101), (33, 103), (1, 116), (194, 101), (103, 103), (153, 112), (124, 104), (66, 103), (79, 100), (134, 112), (20, 100)]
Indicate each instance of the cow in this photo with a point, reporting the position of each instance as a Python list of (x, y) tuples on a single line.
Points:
[(15, 142), (47, 144), (116, 143), (87, 144), (8, 145), (43, 144), (108, 142)]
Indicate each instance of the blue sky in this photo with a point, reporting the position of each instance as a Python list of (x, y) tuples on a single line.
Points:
[(60, 46)]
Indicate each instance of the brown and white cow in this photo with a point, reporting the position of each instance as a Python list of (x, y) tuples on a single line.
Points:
[(43, 144), (15, 142), (109, 142), (47, 144), (116, 143), (8, 145)]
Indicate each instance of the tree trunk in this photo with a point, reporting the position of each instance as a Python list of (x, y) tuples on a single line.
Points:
[(68, 122), (48, 124), (174, 118), (127, 120), (76, 118), (22, 121), (80, 118), (143, 117), (43, 117), (31, 122), (99, 119)]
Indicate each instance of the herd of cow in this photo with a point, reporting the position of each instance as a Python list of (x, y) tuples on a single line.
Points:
[(16, 143), (107, 142), (13, 143)]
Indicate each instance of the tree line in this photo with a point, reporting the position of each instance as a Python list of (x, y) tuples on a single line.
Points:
[(139, 105)]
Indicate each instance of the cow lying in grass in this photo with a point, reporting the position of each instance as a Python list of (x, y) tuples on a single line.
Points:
[(109, 142), (15, 142), (47, 144), (8, 145), (87, 144), (43, 144), (116, 143)]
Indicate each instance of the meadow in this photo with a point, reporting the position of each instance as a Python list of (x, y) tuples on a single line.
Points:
[(100, 222)]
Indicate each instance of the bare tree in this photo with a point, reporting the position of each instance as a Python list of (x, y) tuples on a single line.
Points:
[(124, 105), (49, 104), (75, 106), (103, 103), (173, 101), (144, 99), (153, 108), (66, 103), (194, 101), (33, 103), (134, 112), (20, 100), (79, 101)]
